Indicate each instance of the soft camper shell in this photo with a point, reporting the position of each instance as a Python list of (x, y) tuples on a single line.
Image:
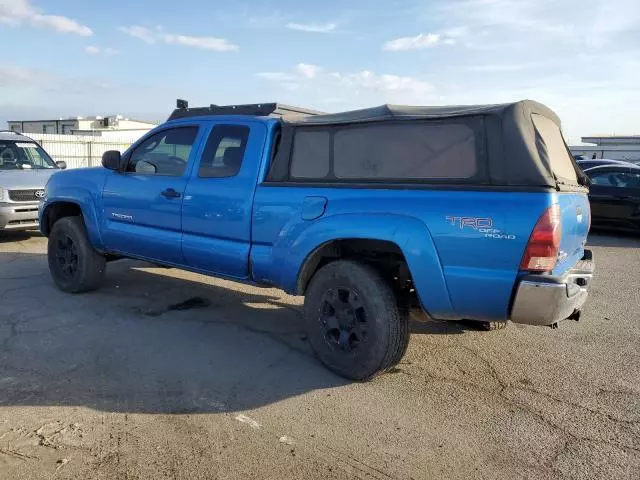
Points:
[(512, 147)]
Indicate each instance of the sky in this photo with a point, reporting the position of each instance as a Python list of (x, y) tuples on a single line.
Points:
[(77, 57)]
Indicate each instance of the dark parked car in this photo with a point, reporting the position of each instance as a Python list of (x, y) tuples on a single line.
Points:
[(587, 164), (615, 196)]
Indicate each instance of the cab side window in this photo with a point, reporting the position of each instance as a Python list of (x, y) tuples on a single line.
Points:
[(165, 153), (224, 151)]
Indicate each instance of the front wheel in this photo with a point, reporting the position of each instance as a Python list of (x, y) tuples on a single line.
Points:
[(74, 265), (353, 321)]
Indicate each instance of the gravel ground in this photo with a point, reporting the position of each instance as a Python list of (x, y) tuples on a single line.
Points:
[(117, 384)]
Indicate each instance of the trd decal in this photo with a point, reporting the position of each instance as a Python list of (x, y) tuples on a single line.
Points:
[(122, 216), (473, 222), (482, 225)]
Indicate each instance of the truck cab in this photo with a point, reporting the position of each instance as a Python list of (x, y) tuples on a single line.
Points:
[(475, 213)]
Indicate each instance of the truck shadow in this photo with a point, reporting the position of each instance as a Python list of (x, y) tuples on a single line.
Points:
[(18, 236), (604, 238), (153, 340)]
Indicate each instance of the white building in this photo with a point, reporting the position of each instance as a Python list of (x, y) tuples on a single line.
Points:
[(96, 126), (615, 147)]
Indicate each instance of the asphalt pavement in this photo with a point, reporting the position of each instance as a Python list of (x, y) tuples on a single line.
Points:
[(168, 374)]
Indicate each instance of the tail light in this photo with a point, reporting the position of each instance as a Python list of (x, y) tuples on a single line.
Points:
[(541, 253)]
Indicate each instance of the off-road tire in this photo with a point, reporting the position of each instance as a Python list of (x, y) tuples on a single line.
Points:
[(387, 324), (70, 233)]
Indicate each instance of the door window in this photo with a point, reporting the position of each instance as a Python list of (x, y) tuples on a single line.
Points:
[(616, 179), (224, 151), (165, 153)]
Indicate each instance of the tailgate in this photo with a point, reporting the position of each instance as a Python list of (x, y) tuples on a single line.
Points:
[(575, 228)]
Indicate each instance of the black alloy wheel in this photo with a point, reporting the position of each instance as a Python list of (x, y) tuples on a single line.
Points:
[(344, 319), (74, 264), (354, 323), (67, 256)]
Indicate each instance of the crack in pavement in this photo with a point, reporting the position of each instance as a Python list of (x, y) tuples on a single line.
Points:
[(16, 454), (504, 387)]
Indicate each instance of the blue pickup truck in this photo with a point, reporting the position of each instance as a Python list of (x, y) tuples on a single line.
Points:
[(467, 212)]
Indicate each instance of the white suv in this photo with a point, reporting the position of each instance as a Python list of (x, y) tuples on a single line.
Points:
[(25, 169)]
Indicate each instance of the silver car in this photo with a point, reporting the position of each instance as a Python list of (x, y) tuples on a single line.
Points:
[(25, 169)]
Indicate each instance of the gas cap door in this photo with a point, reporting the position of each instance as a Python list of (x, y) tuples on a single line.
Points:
[(313, 207)]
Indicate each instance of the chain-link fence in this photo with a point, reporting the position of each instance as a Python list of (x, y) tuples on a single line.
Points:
[(82, 150)]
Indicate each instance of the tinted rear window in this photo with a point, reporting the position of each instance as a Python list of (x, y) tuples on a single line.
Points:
[(552, 148), (310, 154), (405, 151)]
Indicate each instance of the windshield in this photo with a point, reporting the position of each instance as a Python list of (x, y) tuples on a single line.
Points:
[(23, 156)]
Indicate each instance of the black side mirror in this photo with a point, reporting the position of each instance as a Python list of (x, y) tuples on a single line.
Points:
[(61, 164), (111, 160)]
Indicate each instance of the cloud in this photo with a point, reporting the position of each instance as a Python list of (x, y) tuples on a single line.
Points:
[(312, 27), (387, 83), (505, 67), (29, 80), (308, 71), (420, 41), (140, 33), (518, 15), (537, 22), (159, 36), (302, 71), (93, 50), (367, 84), (456, 32), (208, 43), (277, 76), (257, 17), (16, 76), (290, 86), (425, 40), (17, 12)]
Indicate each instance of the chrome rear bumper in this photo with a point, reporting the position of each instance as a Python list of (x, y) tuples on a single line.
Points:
[(548, 299)]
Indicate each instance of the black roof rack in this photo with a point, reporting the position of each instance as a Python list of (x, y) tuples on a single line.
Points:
[(258, 109), (254, 109)]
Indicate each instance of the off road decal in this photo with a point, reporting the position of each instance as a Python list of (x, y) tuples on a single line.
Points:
[(483, 225)]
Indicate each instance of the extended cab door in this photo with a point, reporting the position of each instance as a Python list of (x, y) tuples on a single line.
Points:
[(217, 206), (142, 205)]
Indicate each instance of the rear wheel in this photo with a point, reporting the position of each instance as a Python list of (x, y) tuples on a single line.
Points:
[(74, 265), (354, 324)]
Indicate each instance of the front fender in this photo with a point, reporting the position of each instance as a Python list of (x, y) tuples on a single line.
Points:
[(86, 193), (412, 236)]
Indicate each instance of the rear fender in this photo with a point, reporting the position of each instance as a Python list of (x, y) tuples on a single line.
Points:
[(297, 244)]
